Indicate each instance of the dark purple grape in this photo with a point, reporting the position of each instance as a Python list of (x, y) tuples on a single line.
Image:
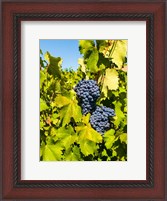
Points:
[(99, 119), (88, 92)]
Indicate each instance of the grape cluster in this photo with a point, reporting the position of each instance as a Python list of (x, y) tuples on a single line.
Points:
[(99, 119), (88, 92)]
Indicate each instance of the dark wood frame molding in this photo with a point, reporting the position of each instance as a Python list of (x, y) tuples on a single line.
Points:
[(153, 12)]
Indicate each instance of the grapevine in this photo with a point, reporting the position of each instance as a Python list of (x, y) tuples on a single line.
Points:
[(83, 112)]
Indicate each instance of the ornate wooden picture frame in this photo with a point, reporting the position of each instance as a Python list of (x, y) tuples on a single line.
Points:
[(13, 187)]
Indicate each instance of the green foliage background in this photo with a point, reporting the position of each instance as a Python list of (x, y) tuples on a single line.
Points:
[(66, 134)]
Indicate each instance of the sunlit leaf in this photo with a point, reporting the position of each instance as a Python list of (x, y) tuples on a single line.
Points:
[(61, 101), (109, 138), (67, 136), (109, 81), (73, 154), (87, 147), (52, 153), (85, 119), (86, 132), (119, 53), (43, 105), (70, 109), (119, 113), (85, 46), (123, 137)]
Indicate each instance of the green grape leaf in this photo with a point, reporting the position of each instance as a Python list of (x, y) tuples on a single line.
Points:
[(76, 152), (85, 46), (86, 132), (121, 150), (87, 147), (104, 153), (104, 61), (109, 138), (53, 131), (102, 45), (49, 140), (123, 137), (43, 105), (61, 101), (92, 61), (54, 67), (119, 53), (55, 118), (67, 136), (57, 86), (119, 113), (114, 153), (72, 154), (102, 67), (52, 153), (85, 118), (69, 109), (109, 81)]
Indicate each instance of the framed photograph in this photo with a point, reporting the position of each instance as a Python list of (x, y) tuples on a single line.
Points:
[(83, 100)]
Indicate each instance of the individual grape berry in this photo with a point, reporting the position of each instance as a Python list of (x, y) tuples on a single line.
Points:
[(88, 92), (99, 119)]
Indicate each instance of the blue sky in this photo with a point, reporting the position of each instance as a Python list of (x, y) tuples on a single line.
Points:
[(68, 50)]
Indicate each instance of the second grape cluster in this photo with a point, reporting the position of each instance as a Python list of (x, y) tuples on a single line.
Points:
[(88, 92)]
